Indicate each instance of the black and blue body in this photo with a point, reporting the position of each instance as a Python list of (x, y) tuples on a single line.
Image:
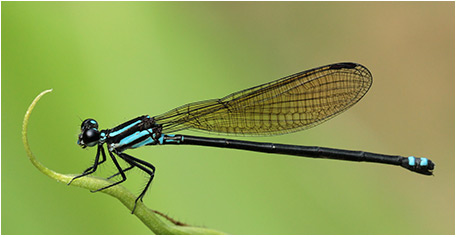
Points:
[(293, 103)]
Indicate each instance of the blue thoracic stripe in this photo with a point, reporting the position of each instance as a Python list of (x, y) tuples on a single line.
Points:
[(135, 136), (115, 133), (140, 135), (143, 143)]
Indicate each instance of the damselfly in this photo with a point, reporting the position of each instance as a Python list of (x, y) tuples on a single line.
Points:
[(292, 103)]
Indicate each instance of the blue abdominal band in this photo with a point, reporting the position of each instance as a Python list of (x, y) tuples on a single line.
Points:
[(412, 161), (424, 161)]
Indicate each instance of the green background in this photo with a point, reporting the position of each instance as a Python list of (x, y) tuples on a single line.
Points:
[(113, 61)]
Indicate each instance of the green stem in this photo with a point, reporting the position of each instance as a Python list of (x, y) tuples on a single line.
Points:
[(146, 215)]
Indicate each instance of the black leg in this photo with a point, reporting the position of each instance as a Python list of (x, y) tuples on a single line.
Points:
[(132, 161), (124, 170), (121, 172), (96, 164), (143, 165), (93, 168)]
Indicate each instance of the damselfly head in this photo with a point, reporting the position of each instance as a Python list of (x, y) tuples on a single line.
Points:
[(89, 123), (89, 135)]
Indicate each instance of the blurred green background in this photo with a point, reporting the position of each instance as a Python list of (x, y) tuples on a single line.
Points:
[(113, 61)]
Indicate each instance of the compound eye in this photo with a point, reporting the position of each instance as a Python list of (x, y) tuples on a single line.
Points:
[(89, 123), (90, 137)]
